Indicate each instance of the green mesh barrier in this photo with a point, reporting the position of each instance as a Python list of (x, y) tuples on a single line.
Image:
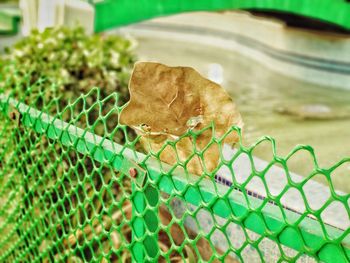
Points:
[(75, 187), (111, 13)]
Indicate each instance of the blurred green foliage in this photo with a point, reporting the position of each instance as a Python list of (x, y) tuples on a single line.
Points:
[(46, 71), (71, 60)]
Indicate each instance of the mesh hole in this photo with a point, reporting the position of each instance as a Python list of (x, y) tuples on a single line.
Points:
[(300, 165), (316, 195), (242, 167)]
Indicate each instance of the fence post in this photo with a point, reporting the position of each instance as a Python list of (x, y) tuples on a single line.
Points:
[(145, 219)]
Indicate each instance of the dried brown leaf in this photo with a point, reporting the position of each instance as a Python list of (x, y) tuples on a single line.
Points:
[(166, 102)]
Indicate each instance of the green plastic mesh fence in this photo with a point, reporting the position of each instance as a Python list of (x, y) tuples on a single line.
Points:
[(75, 187)]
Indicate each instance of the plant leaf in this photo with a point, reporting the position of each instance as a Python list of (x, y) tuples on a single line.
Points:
[(190, 255), (166, 102)]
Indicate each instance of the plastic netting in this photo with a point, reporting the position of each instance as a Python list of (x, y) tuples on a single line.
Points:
[(76, 187)]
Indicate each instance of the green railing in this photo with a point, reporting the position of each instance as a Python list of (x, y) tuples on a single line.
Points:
[(111, 13), (69, 194), (9, 20)]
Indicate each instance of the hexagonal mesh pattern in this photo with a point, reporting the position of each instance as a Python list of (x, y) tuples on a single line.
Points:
[(76, 187)]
